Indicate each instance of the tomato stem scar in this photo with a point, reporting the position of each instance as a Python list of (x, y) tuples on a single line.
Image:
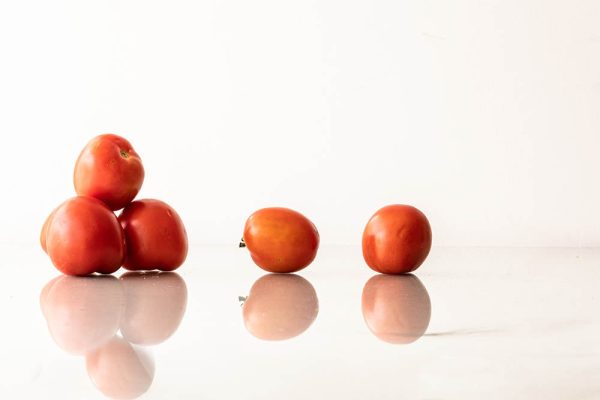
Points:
[(242, 243), (124, 154)]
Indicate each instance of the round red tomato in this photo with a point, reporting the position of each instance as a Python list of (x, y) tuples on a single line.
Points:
[(83, 236), (110, 170), (280, 239), (396, 240), (155, 236), (280, 307), (396, 309)]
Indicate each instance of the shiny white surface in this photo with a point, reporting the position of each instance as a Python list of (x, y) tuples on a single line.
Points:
[(505, 323)]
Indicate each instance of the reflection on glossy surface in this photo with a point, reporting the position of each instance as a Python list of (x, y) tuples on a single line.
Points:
[(280, 307), (84, 315), (119, 370), (82, 312), (155, 303), (396, 309)]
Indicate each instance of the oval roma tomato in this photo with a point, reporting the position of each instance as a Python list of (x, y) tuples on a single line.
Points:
[(396, 309), (396, 240), (83, 237), (280, 239), (110, 170), (280, 307), (155, 236)]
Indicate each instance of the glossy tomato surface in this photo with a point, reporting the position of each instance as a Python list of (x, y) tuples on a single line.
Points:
[(396, 240), (44, 232), (396, 308), (155, 236), (280, 307), (84, 237), (280, 239), (110, 170)]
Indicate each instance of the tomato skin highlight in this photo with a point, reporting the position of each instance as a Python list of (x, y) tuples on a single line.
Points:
[(109, 169), (281, 240), (155, 235), (84, 236), (396, 240), (44, 232)]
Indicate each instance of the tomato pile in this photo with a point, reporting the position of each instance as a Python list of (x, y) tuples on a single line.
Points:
[(83, 235), (85, 314)]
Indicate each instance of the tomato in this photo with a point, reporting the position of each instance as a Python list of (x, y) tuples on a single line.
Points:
[(155, 236), (44, 232), (155, 304), (110, 170), (119, 370), (280, 239), (280, 307), (396, 240), (396, 309), (84, 237), (82, 312)]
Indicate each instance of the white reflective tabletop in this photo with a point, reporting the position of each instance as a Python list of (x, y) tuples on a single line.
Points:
[(471, 323)]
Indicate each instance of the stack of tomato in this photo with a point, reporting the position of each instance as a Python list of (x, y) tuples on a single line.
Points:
[(83, 235)]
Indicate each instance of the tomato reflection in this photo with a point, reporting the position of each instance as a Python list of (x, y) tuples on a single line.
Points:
[(85, 314), (82, 313), (396, 309), (280, 307)]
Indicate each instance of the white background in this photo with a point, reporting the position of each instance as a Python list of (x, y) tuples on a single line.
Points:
[(483, 114)]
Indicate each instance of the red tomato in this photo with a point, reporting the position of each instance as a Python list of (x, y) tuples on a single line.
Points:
[(280, 307), (280, 239), (84, 237), (110, 170), (156, 303), (45, 230), (155, 236), (396, 240), (396, 309)]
